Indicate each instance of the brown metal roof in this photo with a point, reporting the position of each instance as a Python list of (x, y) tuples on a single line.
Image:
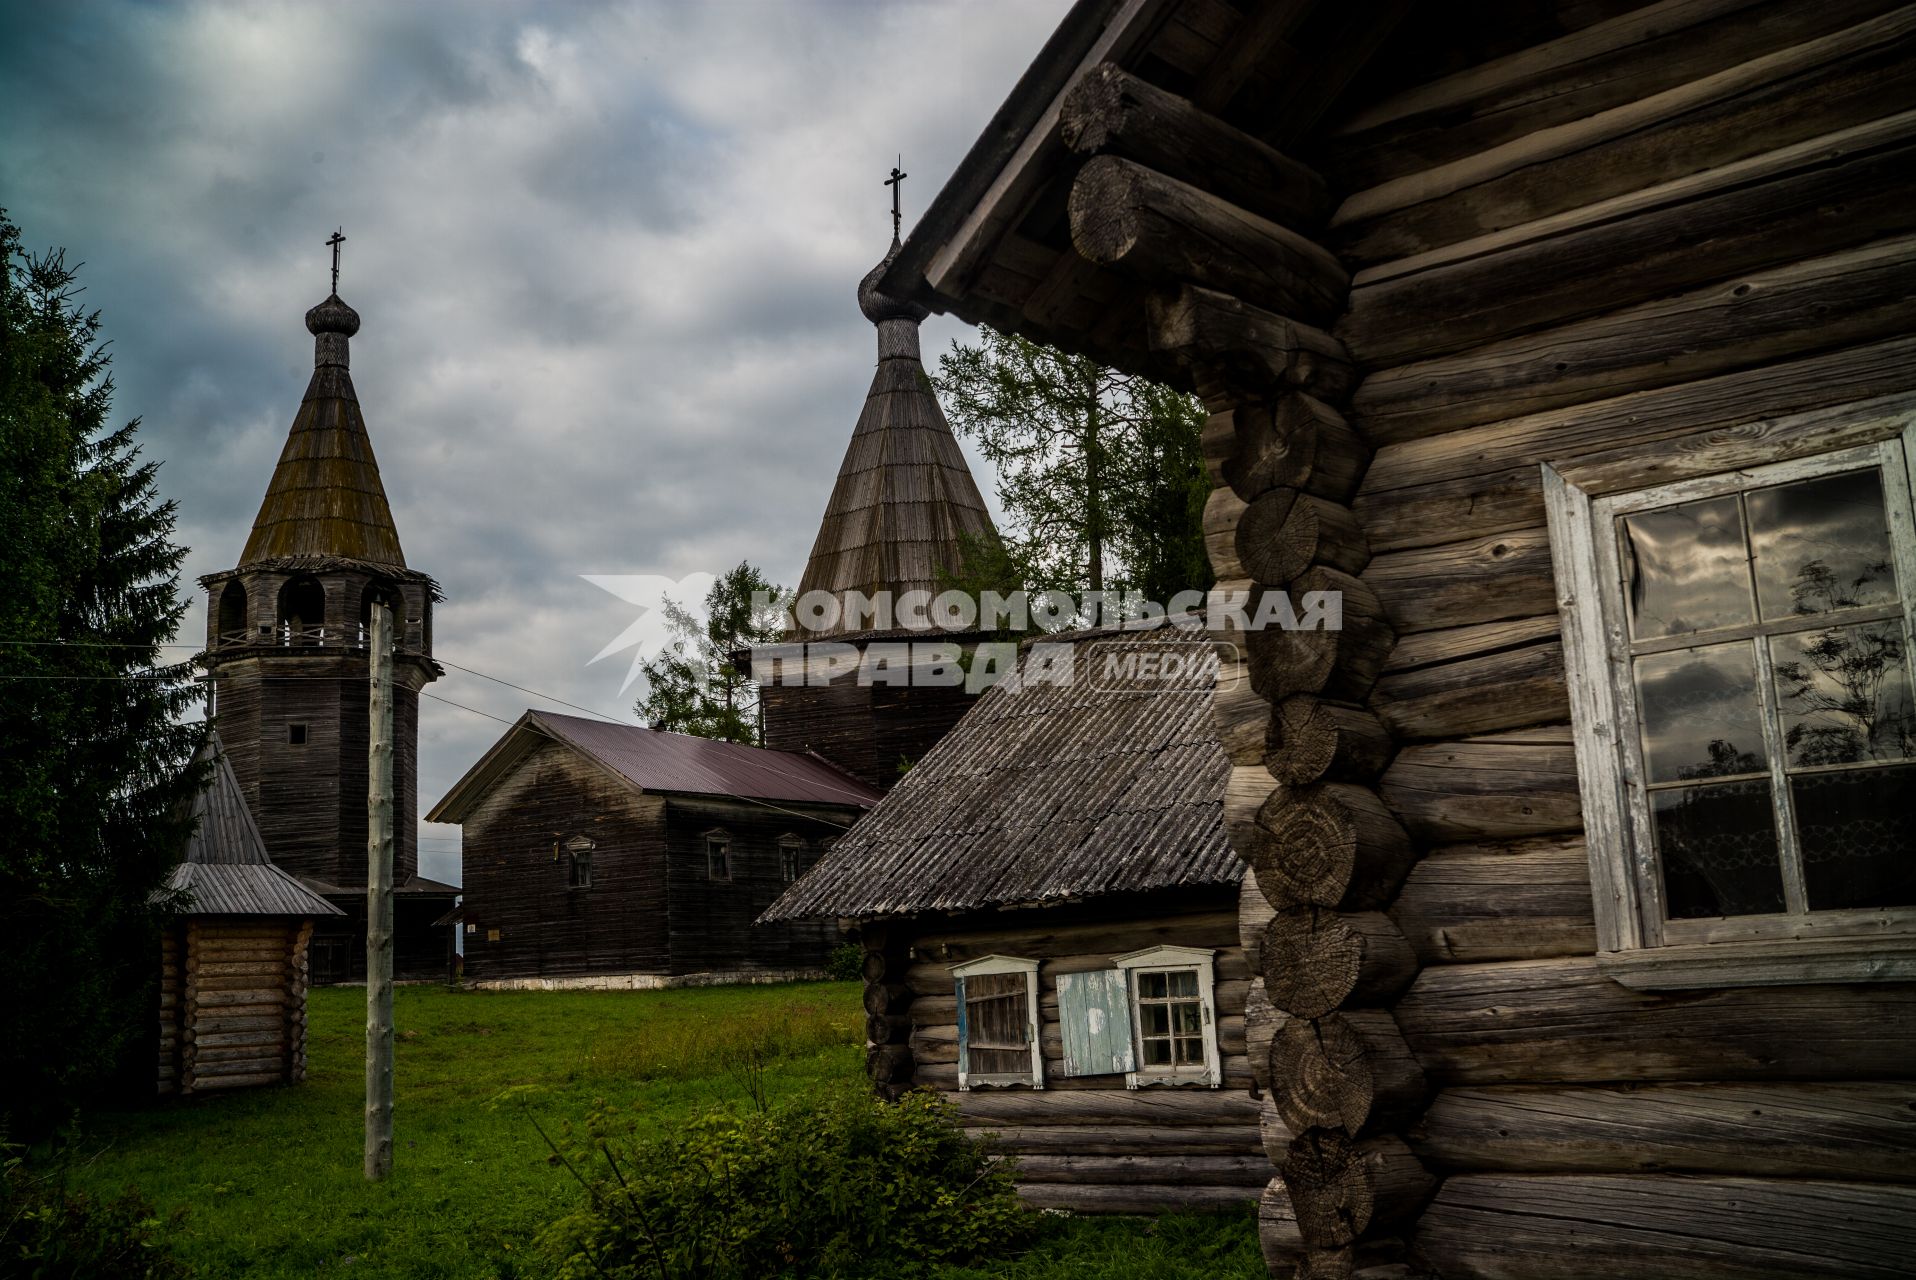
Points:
[(1043, 792), (670, 763), (326, 497), (225, 870)]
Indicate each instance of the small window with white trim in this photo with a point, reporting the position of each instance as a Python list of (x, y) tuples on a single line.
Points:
[(1738, 650), (1152, 1017), (998, 1022)]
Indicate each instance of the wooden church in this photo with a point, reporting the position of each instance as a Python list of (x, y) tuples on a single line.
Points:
[(286, 659), (233, 962), (1571, 343)]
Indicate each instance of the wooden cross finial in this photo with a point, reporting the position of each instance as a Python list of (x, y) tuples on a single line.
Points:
[(898, 176), (335, 240)]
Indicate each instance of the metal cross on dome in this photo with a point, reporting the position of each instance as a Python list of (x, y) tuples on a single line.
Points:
[(335, 240), (898, 175)]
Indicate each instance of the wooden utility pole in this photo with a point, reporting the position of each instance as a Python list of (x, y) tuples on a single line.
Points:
[(379, 903)]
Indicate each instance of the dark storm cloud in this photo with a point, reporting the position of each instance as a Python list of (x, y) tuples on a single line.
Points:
[(605, 256)]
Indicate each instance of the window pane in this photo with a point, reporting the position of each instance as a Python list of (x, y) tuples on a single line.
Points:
[(1821, 545), (1719, 850), (1157, 1053), (1187, 1020), (1151, 986), (1183, 983), (1190, 1052), (1859, 843), (1844, 694), (1701, 716), (1156, 1019), (1685, 569)]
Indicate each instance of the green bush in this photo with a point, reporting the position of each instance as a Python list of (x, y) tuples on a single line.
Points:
[(48, 1232), (846, 963), (839, 1185)]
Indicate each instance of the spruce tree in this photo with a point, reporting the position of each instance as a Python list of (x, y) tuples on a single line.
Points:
[(98, 768), (695, 686)]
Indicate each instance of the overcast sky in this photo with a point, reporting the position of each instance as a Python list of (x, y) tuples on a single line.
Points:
[(605, 257)]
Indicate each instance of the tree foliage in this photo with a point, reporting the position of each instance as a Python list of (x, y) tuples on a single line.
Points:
[(1100, 472), (98, 774), (695, 686)]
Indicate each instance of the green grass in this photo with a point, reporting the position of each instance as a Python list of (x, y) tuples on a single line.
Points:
[(270, 1184)]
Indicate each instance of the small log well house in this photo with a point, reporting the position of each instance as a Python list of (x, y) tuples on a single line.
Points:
[(1049, 912), (1571, 342), (233, 965)]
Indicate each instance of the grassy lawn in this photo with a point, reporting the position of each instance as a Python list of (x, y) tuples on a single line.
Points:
[(270, 1179)]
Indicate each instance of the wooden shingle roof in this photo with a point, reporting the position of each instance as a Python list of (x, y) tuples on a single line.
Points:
[(1044, 792), (904, 501), (224, 869), (326, 499)]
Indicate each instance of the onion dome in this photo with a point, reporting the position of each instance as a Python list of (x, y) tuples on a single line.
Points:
[(879, 307), (332, 316)]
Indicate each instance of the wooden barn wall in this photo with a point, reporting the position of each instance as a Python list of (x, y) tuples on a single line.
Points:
[(711, 922), (1087, 1143), (232, 1003), (517, 887), (1634, 249)]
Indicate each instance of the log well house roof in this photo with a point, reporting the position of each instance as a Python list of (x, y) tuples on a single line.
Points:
[(1043, 793), (648, 760), (225, 870)]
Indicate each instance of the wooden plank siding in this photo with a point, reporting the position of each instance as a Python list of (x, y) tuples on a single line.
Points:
[(1088, 1143), (711, 922)]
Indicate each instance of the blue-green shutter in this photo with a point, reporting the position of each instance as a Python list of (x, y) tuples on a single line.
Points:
[(1094, 1013), (963, 1062)]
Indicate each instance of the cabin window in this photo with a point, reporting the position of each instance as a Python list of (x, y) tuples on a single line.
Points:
[(718, 856), (1738, 649), (1152, 1017), (790, 849), (998, 1023), (296, 735), (579, 862)]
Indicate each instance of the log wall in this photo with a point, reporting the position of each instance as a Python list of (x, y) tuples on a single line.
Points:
[(232, 1003), (1085, 1143)]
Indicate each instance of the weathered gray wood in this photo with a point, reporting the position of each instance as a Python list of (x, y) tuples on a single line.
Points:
[(1865, 1132), (1316, 960), (1140, 1198), (1838, 192), (1545, 1021), (1836, 81), (1048, 939), (379, 903), (1223, 512), (1500, 688), (1461, 584), (1452, 791), (1285, 531), (1246, 350), (1351, 1070), (1525, 900), (1844, 299), (1340, 1187), (1575, 1227), (1123, 1139), (1295, 440), (1341, 664), (1240, 714), (1109, 111), (1102, 1107), (1168, 232), (1278, 1234), (1332, 844), (1314, 740), (1249, 1171)]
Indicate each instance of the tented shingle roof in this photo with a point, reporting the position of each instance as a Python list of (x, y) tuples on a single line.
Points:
[(225, 870), (1044, 792)]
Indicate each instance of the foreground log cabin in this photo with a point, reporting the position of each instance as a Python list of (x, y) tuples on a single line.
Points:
[(1048, 907), (233, 963), (1571, 343), (601, 854)]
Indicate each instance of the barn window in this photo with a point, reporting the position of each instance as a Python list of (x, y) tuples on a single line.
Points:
[(718, 855), (579, 862), (1738, 652), (790, 851), (998, 1023), (1151, 1017), (296, 735)]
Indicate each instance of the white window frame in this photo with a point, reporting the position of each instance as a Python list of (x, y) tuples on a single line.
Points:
[(1169, 959), (983, 965), (1637, 946)]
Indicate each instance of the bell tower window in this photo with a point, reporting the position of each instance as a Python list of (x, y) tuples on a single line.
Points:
[(302, 611)]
